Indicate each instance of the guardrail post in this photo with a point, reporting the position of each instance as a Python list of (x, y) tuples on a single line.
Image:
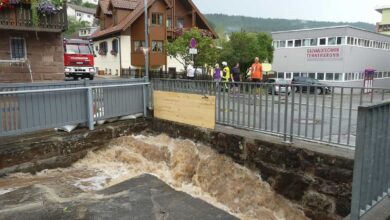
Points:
[(144, 95), (89, 106)]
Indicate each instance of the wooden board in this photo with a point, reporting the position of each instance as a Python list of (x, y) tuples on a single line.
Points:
[(196, 110)]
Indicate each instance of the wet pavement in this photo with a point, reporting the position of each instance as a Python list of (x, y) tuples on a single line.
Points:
[(143, 197)]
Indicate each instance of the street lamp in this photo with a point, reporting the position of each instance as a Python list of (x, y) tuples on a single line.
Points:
[(146, 41)]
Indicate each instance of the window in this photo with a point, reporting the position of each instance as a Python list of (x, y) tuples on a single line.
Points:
[(180, 22), (103, 48), (332, 41), (337, 76), (115, 46), (138, 45), (169, 22), (157, 18), (320, 76), (89, 16), (306, 42), (329, 76), (157, 46), (97, 48), (340, 40), (350, 40), (314, 42), (298, 43), (290, 43), (78, 14), (322, 41), (282, 44), (18, 48), (288, 75), (312, 75), (380, 75), (281, 75), (296, 74), (303, 74)]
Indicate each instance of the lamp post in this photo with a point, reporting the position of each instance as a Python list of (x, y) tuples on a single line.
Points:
[(146, 41)]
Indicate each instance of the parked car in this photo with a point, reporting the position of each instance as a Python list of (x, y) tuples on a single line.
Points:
[(278, 86), (305, 83)]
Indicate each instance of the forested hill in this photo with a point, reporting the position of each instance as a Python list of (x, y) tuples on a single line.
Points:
[(226, 24)]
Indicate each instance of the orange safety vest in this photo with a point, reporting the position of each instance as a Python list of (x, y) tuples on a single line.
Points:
[(257, 71)]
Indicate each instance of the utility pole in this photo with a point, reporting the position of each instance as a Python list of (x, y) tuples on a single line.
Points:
[(146, 49)]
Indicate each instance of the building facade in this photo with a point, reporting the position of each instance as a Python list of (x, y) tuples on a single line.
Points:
[(29, 51), (336, 55), (82, 14), (384, 26), (119, 42)]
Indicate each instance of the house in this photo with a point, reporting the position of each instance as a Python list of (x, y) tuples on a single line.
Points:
[(31, 48), (384, 25), (80, 13), (118, 44), (86, 32)]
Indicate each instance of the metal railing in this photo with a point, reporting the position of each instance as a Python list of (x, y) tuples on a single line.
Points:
[(371, 180), (32, 107), (319, 113)]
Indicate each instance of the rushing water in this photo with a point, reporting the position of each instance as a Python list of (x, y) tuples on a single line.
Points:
[(186, 166)]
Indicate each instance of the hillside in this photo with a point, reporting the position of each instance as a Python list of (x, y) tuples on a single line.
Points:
[(227, 24)]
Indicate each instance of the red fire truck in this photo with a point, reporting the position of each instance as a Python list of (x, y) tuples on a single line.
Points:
[(78, 59)]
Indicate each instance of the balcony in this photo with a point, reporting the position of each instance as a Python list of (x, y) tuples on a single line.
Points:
[(20, 18)]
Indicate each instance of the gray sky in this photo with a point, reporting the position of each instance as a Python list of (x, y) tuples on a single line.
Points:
[(319, 10)]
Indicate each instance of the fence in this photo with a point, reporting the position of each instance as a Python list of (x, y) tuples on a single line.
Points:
[(320, 113), (130, 73), (31, 107), (371, 181)]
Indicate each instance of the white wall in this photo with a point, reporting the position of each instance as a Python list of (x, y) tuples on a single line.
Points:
[(95, 2), (83, 16), (126, 51), (108, 62), (174, 63)]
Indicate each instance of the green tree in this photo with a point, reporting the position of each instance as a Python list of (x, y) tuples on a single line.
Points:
[(179, 49), (73, 27), (243, 47)]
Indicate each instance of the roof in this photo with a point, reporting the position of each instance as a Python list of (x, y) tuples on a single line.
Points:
[(135, 14), (103, 6), (125, 4), (380, 9), (82, 9)]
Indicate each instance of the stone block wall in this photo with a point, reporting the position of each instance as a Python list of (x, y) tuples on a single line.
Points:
[(320, 183), (44, 51)]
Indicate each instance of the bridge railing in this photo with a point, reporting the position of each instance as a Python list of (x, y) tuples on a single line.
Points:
[(32, 107), (317, 113), (371, 181)]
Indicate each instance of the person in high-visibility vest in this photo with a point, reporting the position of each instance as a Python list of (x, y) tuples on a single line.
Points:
[(225, 72), (225, 75), (256, 71)]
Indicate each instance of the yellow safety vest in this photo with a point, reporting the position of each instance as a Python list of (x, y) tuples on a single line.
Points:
[(226, 74)]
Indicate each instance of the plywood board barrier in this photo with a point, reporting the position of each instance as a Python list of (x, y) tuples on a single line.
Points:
[(196, 110)]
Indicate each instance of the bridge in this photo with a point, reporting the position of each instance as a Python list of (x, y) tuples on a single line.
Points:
[(347, 119)]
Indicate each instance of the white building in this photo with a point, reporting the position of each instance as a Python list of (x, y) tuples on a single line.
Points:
[(335, 55), (86, 32), (81, 13)]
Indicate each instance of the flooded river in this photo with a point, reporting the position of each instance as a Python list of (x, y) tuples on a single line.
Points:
[(192, 168)]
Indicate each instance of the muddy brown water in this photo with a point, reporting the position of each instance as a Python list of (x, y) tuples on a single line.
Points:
[(192, 168)]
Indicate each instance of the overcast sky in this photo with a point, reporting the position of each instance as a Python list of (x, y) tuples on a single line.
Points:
[(319, 10)]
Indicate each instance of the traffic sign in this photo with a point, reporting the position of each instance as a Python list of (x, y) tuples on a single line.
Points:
[(193, 43), (193, 51)]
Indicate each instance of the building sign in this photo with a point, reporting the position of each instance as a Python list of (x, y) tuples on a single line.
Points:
[(324, 54)]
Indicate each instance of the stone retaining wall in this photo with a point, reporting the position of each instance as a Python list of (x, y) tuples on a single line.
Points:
[(320, 183)]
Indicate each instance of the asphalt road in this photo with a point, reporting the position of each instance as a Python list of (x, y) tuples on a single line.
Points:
[(325, 118)]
